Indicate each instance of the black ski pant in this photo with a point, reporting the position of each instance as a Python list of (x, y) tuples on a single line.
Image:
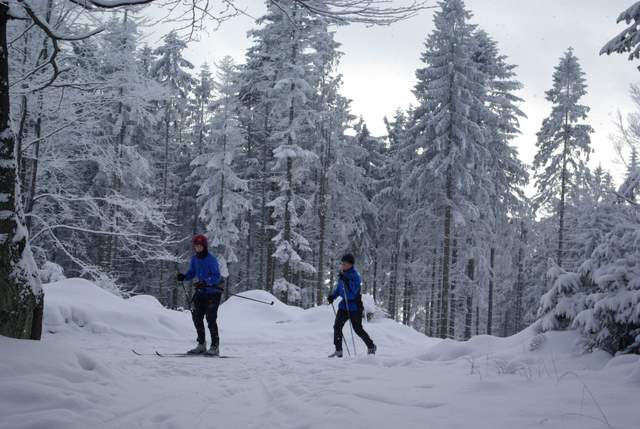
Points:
[(206, 306), (356, 319)]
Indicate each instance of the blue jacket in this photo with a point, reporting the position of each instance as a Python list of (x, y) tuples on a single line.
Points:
[(207, 271), (349, 282)]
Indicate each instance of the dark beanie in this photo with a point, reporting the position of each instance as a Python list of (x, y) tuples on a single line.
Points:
[(348, 258)]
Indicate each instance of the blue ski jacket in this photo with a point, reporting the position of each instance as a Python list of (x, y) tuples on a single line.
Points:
[(206, 270), (349, 284)]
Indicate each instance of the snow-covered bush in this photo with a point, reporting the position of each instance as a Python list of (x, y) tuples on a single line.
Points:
[(601, 300), (563, 302), (611, 320), (371, 309), (51, 272), (287, 292)]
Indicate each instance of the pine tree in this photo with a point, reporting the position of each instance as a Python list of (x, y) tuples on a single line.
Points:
[(222, 194), (501, 196), (390, 202), (629, 39), (200, 106), (451, 91), (172, 70), (563, 141)]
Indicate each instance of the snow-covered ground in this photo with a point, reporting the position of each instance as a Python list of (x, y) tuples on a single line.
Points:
[(83, 374)]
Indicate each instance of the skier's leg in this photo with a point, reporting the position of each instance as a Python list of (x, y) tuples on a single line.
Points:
[(356, 319), (212, 315), (197, 314), (341, 318)]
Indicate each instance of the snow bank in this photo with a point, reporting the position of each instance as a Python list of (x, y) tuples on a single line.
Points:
[(76, 304), (48, 385)]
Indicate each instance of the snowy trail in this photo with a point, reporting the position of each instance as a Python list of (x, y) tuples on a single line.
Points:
[(84, 375)]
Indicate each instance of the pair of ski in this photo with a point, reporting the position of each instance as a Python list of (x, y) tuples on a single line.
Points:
[(179, 355)]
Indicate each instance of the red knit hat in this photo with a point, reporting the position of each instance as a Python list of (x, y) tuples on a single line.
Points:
[(200, 239)]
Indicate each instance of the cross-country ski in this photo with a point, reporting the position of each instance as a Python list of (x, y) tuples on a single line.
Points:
[(168, 355)]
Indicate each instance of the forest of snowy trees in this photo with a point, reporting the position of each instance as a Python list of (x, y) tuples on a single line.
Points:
[(123, 151)]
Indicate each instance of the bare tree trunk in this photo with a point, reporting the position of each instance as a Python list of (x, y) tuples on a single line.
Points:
[(477, 318), (491, 285), (453, 297), (21, 298), (519, 280), (375, 271), (392, 306), (165, 184), (286, 270), (407, 291), (249, 251), (563, 192), (446, 250), (429, 305), (468, 317)]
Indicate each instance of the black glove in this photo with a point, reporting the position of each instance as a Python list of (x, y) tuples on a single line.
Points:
[(330, 299), (180, 277), (199, 285)]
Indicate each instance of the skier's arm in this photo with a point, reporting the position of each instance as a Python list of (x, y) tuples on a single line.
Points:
[(214, 277), (354, 288), (338, 291), (192, 270)]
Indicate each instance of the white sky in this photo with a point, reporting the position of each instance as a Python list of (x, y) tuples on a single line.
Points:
[(379, 62)]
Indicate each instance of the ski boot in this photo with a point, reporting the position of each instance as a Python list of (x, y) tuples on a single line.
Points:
[(337, 353), (198, 350), (213, 351), (372, 350)]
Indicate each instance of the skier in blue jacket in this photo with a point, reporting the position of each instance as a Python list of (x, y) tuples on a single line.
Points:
[(204, 270), (350, 308)]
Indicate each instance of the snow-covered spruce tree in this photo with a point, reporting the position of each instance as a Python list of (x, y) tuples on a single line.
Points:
[(501, 197), (628, 41), (368, 153), (257, 79), (564, 142), (284, 43), (293, 114), (627, 146), (390, 204), (331, 120), (562, 303), (611, 320), (451, 92), (598, 297), (631, 185), (591, 213), (222, 194), (200, 107), (172, 70)]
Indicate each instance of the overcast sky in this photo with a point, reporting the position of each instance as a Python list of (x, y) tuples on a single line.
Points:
[(379, 63)]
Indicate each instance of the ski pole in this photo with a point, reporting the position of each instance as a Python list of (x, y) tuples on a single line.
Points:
[(346, 345), (187, 300), (251, 299)]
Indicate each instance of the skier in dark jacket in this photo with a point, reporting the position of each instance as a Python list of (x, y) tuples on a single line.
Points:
[(350, 307), (204, 270)]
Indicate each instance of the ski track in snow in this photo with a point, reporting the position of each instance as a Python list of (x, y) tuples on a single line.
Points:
[(83, 374)]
